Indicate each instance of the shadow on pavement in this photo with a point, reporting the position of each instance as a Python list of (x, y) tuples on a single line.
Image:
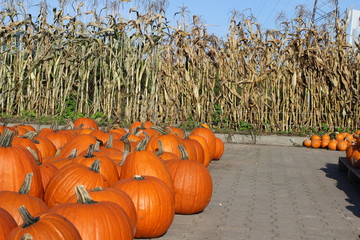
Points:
[(352, 190)]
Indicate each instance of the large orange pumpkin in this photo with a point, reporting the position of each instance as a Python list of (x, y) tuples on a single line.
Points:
[(154, 203), (192, 184), (7, 223), (44, 226), (15, 162), (11, 200), (209, 136), (96, 220), (61, 186)]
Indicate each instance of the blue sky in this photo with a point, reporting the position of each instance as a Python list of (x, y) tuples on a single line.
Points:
[(216, 14)]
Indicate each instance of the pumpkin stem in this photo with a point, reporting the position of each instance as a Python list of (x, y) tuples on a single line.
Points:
[(27, 236), (95, 166), (73, 153), (125, 154), (142, 144), (138, 177), (82, 195), (184, 154), (97, 189), (36, 156), (123, 138), (27, 217), (90, 152), (159, 129), (30, 135), (160, 150), (25, 187), (110, 141), (55, 127), (7, 138)]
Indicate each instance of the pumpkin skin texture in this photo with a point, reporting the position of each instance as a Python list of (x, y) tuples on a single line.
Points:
[(11, 201), (7, 223), (58, 137), (205, 146), (61, 186), (209, 136), (99, 220), (192, 185), (80, 142), (15, 162), (115, 195), (48, 171), (170, 143), (83, 122), (45, 226), (154, 203), (219, 148), (143, 162)]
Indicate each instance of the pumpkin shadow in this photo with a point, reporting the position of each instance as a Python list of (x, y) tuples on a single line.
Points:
[(352, 190)]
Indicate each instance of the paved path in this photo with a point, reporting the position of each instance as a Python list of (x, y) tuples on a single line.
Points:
[(275, 192)]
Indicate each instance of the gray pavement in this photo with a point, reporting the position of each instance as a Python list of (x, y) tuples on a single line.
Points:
[(275, 192)]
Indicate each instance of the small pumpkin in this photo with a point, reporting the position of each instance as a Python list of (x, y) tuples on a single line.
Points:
[(84, 122)]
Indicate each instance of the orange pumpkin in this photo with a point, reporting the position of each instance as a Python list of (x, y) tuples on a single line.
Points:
[(332, 144), (154, 203), (84, 122), (315, 143), (307, 143), (7, 223), (44, 226), (104, 219)]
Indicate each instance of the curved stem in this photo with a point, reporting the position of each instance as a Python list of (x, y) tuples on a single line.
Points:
[(7, 138), (27, 217), (25, 187), (82, 195)]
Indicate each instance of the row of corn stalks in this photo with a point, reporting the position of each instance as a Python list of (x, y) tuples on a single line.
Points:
[(144, 69)]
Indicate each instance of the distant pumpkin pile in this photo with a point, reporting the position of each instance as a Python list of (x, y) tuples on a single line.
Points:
[(81, 182), (332, 141)]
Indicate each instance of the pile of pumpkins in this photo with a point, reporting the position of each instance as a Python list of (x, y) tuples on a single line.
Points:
[(83, 182), (332, 141)]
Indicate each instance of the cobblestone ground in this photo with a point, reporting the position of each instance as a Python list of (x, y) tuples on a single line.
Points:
[(275, 192)]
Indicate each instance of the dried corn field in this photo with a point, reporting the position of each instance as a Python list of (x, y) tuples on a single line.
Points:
[(297, 77)]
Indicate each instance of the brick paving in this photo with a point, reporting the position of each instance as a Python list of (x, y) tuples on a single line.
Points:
[(275, 192)]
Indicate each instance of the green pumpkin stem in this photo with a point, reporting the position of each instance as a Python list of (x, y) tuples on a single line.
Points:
[(184, 154), (27, 217), (95, 166), (138, 177), (90, 152), (82, 195), (7, 138), (25, 187)]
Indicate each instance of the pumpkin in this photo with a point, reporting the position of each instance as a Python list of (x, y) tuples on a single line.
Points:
[(44, 226), (60, 188), (219, 148), (80, 142), (143, 162), (115, 195), (205, 146), (96, 220), (139, 124), (7, 223), (332, 144), (175, 130), (325, 137), (355, 158), (315, 143), (84, 122), (43, 144), (307, 143), (315, 137), (192, 184), (324, 143), (15, 162), (209, 136), (47, 171), (340, 136), (341, 145), (349, 152), (11, 200), (108, 167), (197, 146), (170, 143), (58, 137), (154, 203)]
